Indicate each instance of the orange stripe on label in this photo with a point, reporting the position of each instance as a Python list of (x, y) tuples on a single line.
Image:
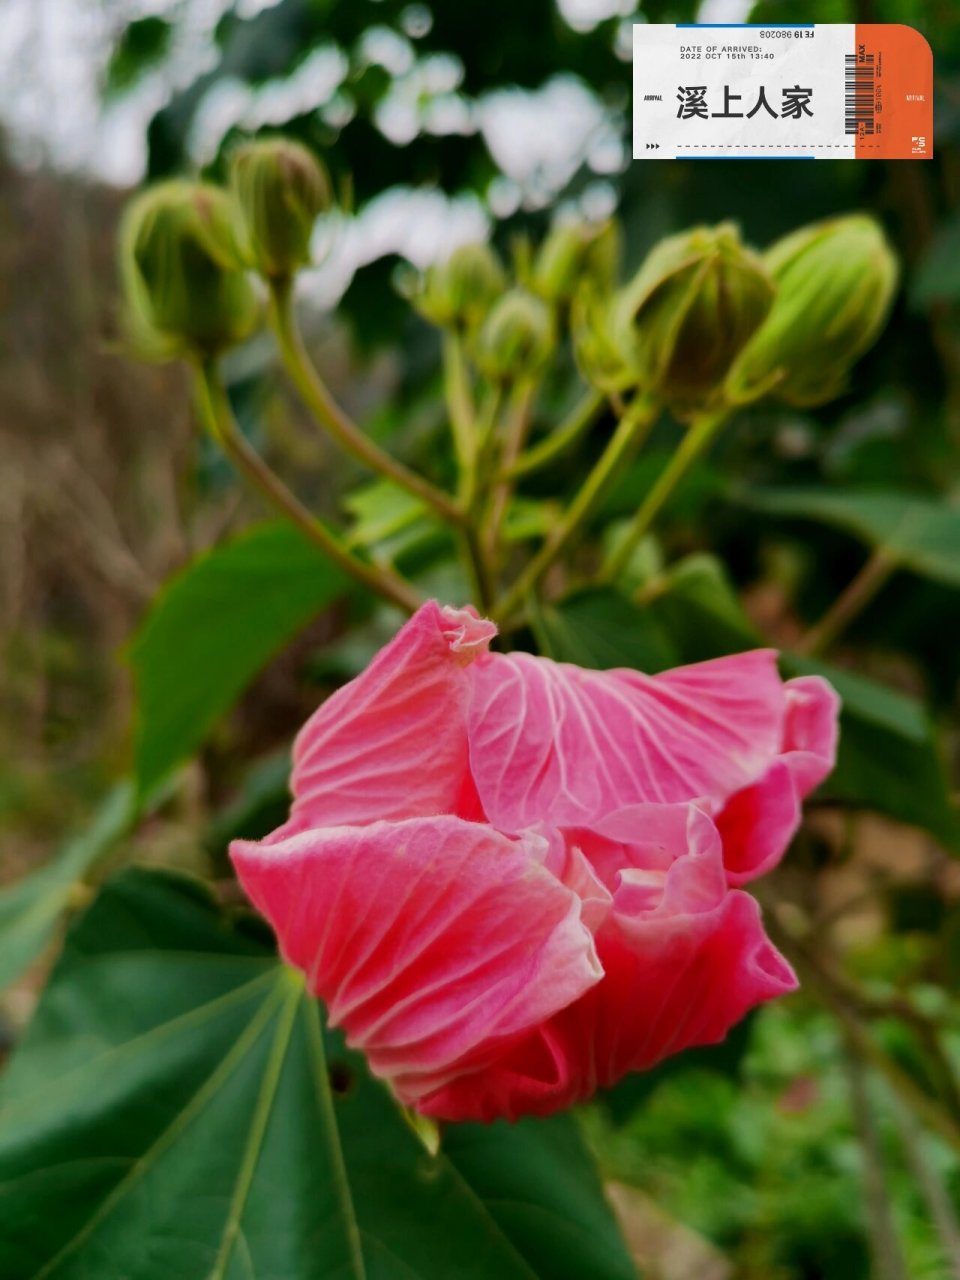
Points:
[(893, 92)]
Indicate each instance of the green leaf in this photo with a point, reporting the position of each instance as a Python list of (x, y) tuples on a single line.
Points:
[(889, 758), (261, 805), (600, 628), (937, 277), (701, 484), (530, 518), (381, 510), (394, 526), (30, 909), (723, 1059), (177, 1109), (918, 532), (698, 608), (212, 629), (565, 1227)]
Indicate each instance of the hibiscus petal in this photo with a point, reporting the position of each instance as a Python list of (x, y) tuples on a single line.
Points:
[(430, 940), (551, 742), (684, 959), (757, 823), (392, 742), (810, 731), (649, 838)]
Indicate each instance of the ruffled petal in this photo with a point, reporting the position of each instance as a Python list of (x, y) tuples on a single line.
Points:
[(551, 742), (684, 959), (392, 743), (810, 730), (433, 941), (757, 824)]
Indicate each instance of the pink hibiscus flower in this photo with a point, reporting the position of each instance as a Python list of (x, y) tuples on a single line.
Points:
[(513, 880)]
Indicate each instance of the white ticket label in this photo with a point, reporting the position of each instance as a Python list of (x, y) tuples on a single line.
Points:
[(801, 90)]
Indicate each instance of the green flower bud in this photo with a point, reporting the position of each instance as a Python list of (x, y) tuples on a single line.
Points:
[(599, 356), (517, 337), (184, 286), (460, 291), (280, 189), (572, 252), (687, 314), (835, 284)]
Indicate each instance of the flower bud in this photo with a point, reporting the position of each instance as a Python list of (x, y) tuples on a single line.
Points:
[(835, 283), (684, 318), (280, 188), (183, 280), (572, 252), (517, 337), (599, 357), (460, 291)]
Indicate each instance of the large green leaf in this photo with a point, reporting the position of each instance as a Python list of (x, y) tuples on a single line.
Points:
[(889, 757), (917, 532), (601, 628), (177, 1109), (697, 606), (213, 628), (30, 909)]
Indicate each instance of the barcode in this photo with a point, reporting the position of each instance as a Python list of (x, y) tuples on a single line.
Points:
[(858, 102)]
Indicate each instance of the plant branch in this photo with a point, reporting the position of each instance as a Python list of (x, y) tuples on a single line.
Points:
[(698, 436), (325, 409), (583, 415), (459, 397), (478, 568), (519, 414), (888, 1258), (473, 493), (931, 1186), (852, 601), (217, 416), (633, 426), (838, 1000)]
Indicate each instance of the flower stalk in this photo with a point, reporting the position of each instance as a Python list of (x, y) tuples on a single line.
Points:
[(850, 603), (518, 417), (217, 416), (636, 422), (325, 409), (581, 418), (459, 397), (696, 440)]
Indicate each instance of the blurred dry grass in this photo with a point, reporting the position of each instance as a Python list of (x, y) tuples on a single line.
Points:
[(101, 498), (93, 506)]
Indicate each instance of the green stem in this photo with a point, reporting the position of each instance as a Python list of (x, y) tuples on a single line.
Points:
[(932, 1186), (325, 409), (698, 436), (456, 383), (584, 414), (478, 567), (217, 416), (888, 1259), (852, 601), (473, 494), (818, 980), (638, 418), (517, 425)]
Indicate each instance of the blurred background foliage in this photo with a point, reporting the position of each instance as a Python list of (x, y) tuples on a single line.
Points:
[(779, 1155)]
